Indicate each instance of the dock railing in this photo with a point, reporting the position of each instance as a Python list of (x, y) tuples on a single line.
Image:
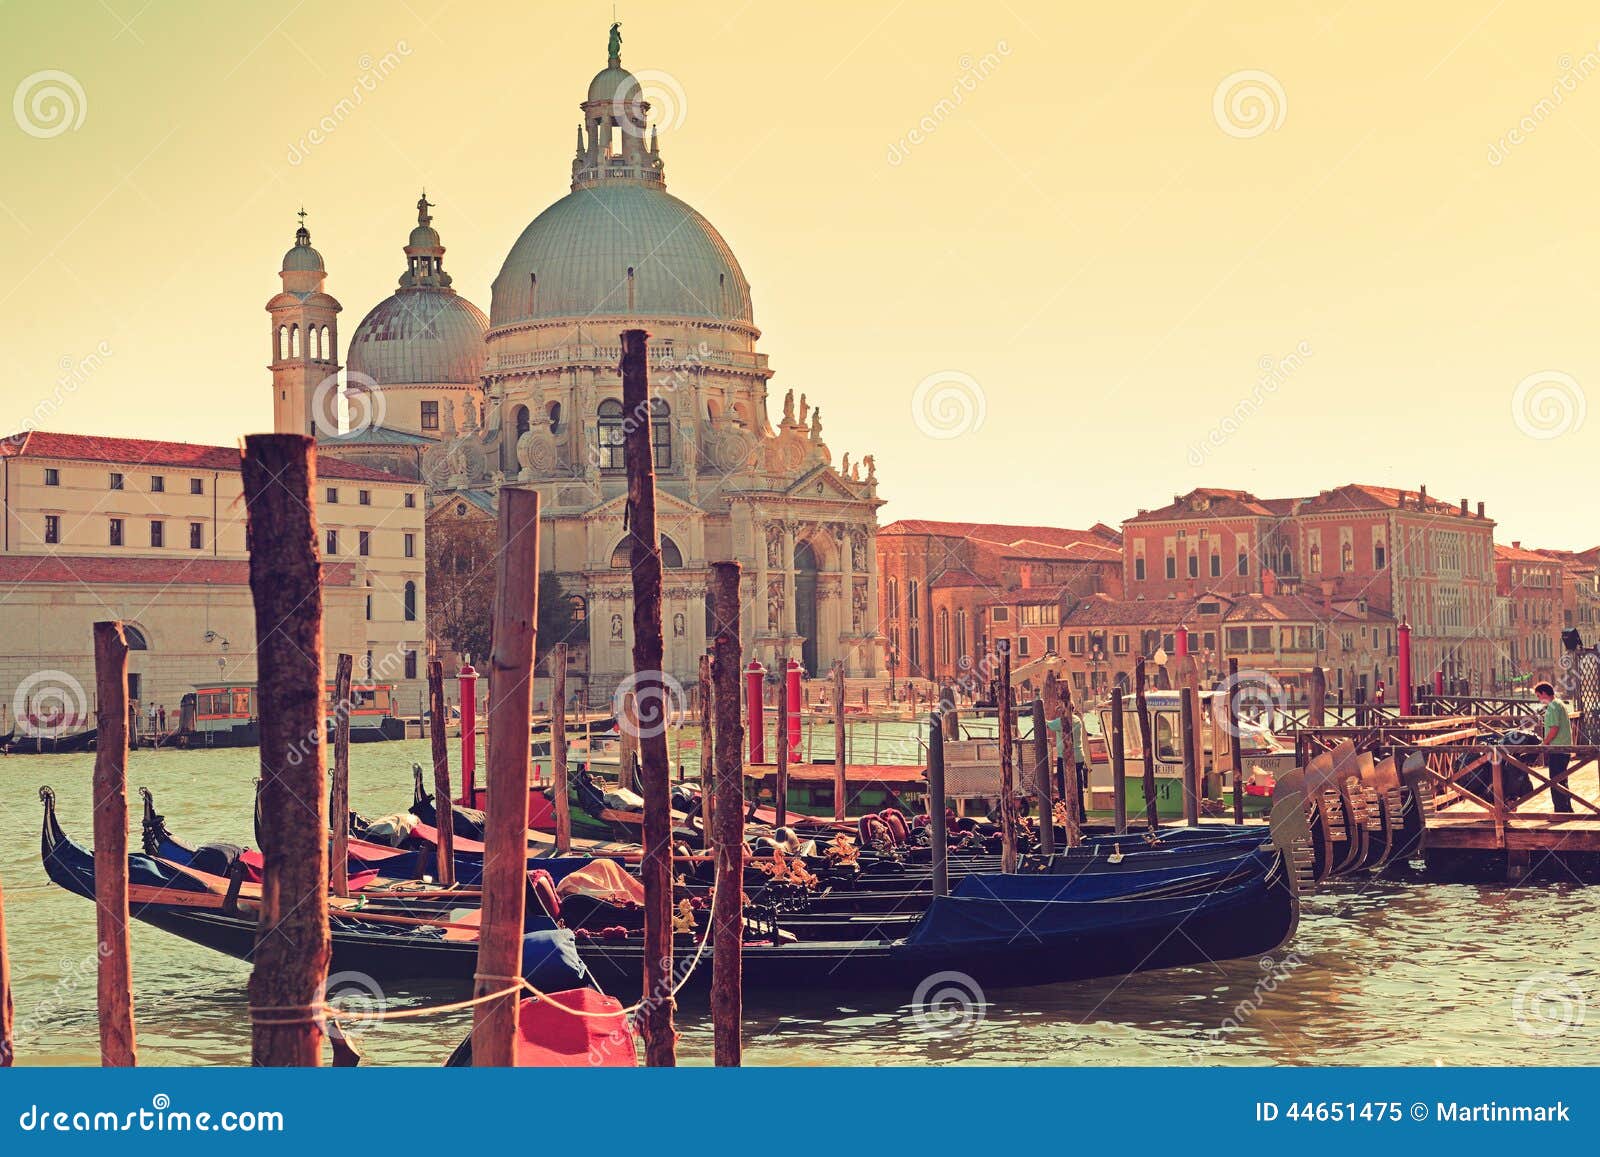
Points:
[(1456, 773)]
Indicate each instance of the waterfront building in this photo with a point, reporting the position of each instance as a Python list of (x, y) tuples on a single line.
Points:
[(153, 533), (1531, 583)]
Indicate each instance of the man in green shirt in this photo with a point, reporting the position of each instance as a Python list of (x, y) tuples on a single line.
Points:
[(1557, 733)]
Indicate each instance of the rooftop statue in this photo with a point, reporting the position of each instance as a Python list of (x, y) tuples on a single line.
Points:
[(614, 47)]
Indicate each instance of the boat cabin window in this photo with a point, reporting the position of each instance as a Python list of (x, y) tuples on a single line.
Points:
[(1168, 749)]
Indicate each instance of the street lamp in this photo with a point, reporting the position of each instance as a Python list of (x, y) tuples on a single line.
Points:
[(892, 663)]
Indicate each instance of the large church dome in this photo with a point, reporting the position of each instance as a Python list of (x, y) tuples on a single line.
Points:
[(424, 333), (617, 247)]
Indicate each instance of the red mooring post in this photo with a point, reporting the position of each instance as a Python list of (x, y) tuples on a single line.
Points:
[(1407, 686), (792, 673), (754, 675)]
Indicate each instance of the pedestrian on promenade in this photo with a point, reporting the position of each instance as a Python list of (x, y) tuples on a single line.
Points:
[(1557, 733)]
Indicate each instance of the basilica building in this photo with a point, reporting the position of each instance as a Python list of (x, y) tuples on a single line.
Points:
[(530, 397)]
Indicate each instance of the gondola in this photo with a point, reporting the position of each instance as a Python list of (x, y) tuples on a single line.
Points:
[(51, 744), (996, 943)]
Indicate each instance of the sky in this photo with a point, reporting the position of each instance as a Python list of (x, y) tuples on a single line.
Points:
[(1046, 263)]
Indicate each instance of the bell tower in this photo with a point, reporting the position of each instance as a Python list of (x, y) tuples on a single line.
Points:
[(305, 344)]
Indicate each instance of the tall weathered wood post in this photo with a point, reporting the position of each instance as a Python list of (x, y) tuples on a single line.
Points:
[(936, 806), (445, 817), (1142, 707), (114, 987), (339, 794), (1235, 740), (1072, 788), (1117, 755), (509, 758), (290, 965), (655, 868), (708, 750), (841, 779), (727, 914), (1008, 792), (558, 748), (1042, 778), (780, 784), (1317, 705), (1192, 787)]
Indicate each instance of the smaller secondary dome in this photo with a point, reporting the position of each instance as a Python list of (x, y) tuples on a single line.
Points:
[(613, 84), (420, 337), (302, 258), (425, 237)]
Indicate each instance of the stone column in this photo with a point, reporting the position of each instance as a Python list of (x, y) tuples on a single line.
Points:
[(869, 622), (788, 579), (847, 599)]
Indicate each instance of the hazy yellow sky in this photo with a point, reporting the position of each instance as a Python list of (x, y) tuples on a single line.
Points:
[(1059, 212)]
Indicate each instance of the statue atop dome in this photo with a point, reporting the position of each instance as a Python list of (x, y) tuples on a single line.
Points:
[(424, 217), (614, 45)]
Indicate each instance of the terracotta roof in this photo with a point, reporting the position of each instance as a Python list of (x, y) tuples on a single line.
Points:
[(1003, 534), (1104, 611), (1360, 496), (145, 452), (1210, 502), (1299, 608), (178, 570), (1515, 553)]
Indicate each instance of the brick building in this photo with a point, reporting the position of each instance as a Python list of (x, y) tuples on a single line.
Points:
[(1530, 581), (1400, 553), (938, 581)]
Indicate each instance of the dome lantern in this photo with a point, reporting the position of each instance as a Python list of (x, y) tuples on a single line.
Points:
[(615, 119)]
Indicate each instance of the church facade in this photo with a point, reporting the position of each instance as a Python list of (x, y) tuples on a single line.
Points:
[(531, 398)]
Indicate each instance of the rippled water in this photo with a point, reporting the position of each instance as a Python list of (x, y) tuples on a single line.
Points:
[(1398, 973)]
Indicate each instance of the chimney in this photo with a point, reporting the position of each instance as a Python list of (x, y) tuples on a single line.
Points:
[(1269, 583), (1422, 498), (1463, 508), (1480, 510), (1516, 544)]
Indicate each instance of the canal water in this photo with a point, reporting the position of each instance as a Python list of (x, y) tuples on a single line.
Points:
[(1380, 972)]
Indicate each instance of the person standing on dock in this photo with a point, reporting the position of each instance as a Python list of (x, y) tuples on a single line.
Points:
[(1557, 733)]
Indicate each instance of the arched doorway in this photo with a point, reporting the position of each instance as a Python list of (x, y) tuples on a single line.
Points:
[(805, 605)]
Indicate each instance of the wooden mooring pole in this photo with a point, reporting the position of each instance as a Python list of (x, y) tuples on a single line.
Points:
[(558, 748), (1142, 707), (1072, 786), (1008, 793), (290, 964), (936, 806), (727, 914), (1117, 756), (114, 988), (8, 1045), (1235, 741), (339, 794), (1317, 707), (1041, 780), (781, 757), (841, 780), (509, 758), (444, 817), (1192, 787), (708, 751), (655, 867)]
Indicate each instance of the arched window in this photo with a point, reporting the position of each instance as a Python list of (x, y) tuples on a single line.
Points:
[(134, 637), (1347, 557), (283, 342), (533, 293), (327, 344), (519, 420), (294, 341), (1316, 558), (608, 434), (1286, 561), (894, 598), (671, 556), (552, 414), (661, 433), (411, 602)]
